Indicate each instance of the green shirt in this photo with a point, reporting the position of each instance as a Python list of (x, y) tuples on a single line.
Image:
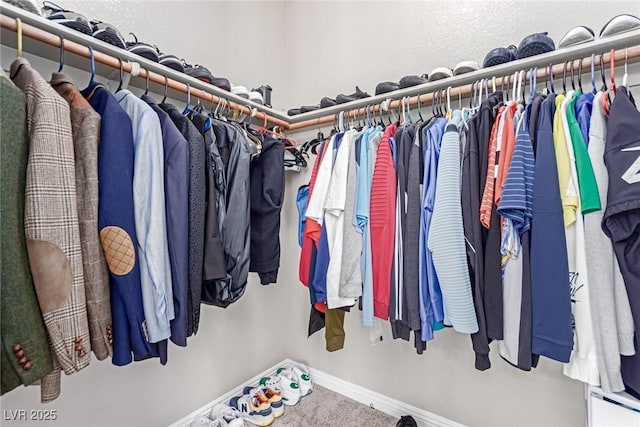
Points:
[(589, 197)]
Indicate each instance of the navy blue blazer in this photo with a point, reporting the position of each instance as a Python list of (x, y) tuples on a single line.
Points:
[(116, 224)]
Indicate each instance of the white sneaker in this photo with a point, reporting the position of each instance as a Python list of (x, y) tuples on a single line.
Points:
[(230, 416), (287, 384), (300, 375), (253, 410), (206, 422)]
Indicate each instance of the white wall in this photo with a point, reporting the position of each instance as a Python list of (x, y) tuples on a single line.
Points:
[(306, 50)]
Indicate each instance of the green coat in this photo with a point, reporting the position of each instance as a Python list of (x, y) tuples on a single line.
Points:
[(23, 332)]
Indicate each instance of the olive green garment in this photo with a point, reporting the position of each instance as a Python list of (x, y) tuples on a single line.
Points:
[(334, 329), (23, 332), (589, 197)]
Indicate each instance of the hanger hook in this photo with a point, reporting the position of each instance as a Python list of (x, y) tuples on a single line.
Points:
[(612, 74), (121, 75), (573, 84), (93, 65), (564, 77), (551, 79), (19, 33), (166, 89), (61, 54), (146, 83), (580, 74), (604, 80)]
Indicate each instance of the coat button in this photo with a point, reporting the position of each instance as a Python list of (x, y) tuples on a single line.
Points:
[(79, 347), (23, 360), (77, 340), (82, 353), (27, 366), (19, 353), (16, 348)]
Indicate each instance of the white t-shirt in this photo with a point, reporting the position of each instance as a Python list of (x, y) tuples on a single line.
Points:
[(334, 219)]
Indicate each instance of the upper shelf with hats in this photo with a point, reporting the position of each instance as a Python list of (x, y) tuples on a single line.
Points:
[(47, 39)]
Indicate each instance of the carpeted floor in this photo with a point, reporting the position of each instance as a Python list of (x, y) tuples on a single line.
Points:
[(324, 408)]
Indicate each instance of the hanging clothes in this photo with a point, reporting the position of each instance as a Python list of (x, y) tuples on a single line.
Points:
[(23, 331), (85, 126), (267, 197), (613, 337), (51, 226), (176, 191), (620, 222), (116, 224), (196, 212)]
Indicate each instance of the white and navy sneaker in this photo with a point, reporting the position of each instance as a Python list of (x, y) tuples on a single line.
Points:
[(252, 410), (267, 394), (286, 384)]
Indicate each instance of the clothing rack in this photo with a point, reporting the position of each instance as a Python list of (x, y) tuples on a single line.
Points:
[(626, 47), (52, 34)]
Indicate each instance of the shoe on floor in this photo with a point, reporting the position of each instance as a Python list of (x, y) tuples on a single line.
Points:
[(143, 49), (230, 416), (206, 422), (252, 410), (409, 81), (267, 394), (386, 87), (406, 421), (500, 55), (535, 44), (302, 375), (65, 17), (286, 384), (108, 33)]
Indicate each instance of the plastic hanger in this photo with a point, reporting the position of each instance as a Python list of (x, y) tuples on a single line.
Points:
[(93, 66), (514, 93), (604, 80), (573, 84), (493, 84), (420, 110), (121, 76), (61, 66), (449, 113), (551, 79), (19, 35), (564, 77), (166, 89)]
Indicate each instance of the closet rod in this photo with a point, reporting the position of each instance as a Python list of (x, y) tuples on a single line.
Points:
[(175, 80), (463, 85)]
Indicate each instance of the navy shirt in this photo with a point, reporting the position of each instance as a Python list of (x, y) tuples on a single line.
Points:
[(176, 190)]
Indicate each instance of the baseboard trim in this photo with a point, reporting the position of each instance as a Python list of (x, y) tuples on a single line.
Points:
[(348, 389), (379, 401)]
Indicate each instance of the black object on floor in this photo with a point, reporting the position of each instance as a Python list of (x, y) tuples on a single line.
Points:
[(407, 421)]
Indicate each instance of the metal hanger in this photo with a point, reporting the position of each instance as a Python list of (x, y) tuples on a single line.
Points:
[(93, 66), (625, 76), (146, 83), (612, 74), (187, 108), (594, 90), (604, 80), (580, 74), (573, 83), (551, 79), (420, 109), (166, 89), (121, 76), (564, 77), (61, 66)]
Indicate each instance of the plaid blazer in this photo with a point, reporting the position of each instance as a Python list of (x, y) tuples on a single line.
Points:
[(51, 226), (24, 350), (85, 126)]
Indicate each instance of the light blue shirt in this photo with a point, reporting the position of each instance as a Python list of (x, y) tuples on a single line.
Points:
[(446, 236), (368, 149), (150, 216), (431, 308)]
